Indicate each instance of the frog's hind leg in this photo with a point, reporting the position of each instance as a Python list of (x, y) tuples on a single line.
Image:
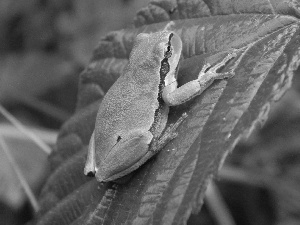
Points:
[(168, 135)]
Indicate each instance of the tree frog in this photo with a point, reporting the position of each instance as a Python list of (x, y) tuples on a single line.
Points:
[(131, 122)]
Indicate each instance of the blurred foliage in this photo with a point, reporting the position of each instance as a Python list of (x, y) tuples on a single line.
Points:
[(272, 154)]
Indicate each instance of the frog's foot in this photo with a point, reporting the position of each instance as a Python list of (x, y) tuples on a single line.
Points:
[(209, 72), (168, 135)]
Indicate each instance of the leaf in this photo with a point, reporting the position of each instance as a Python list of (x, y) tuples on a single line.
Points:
[(167, 188)]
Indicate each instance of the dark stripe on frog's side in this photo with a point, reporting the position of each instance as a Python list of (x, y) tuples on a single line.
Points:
[(159, 120)]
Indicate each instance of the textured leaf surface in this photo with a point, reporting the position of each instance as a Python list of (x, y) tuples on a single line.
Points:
[(168, 187)]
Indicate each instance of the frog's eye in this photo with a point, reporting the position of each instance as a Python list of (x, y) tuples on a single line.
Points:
[(175, 43), (168, 50), (175, 48)]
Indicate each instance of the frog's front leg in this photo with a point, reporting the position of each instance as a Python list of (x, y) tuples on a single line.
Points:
[(175, 96)]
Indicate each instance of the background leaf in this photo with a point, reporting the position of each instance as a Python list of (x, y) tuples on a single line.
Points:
[(168, 187)]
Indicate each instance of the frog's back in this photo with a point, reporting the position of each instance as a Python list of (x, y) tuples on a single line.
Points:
[(131, 102)]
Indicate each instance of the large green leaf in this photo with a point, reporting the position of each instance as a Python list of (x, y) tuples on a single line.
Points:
[(168, 187)]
